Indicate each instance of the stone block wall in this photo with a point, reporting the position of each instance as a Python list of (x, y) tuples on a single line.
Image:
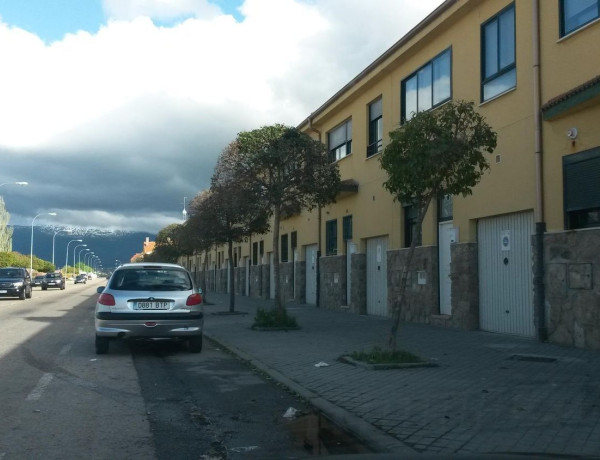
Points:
[(266, 281), (464, 271), (256, 281), (572, 283), (358, 284), (300, 280), (286, 280), (332, 279), (421, 299)]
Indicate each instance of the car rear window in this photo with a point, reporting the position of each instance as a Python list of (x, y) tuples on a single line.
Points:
[(53, 275), (144, 279)]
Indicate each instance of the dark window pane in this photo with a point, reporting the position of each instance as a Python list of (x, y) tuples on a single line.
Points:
[(424, 92), (577, 13), (441, 78), (507, 39), (491, 49), (410, 97)]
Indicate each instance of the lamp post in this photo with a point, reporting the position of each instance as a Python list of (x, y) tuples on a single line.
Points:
[(184, 212), (31, 251), (68, 230), (91, 254), (67, 258), (74, 252), (79, 258)]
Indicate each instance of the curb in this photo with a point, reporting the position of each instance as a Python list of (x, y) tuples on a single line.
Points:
[(364, 431)]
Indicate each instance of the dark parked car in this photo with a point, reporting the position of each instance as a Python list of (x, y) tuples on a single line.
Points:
[(53, 280), (81, 279), (15, 282), (149, 301), (37, 281)]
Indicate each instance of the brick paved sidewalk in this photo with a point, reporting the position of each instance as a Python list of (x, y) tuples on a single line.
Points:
[(490, 393)]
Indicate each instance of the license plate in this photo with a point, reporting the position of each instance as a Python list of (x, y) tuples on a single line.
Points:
[(4, 291), (154, 305)]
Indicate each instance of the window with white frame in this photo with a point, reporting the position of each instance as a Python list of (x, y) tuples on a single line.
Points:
[(375, 128), (428, 87), (340, 141), (498, 55), (575, 14)]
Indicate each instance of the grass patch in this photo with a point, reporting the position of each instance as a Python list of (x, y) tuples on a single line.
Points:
[(377, 355), (274, 318)]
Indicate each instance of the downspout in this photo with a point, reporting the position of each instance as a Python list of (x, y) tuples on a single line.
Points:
[(539, 293), (319, 223)]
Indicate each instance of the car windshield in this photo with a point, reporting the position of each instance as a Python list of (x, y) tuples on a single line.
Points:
[(150, 279), (53, 275), (10, 273)]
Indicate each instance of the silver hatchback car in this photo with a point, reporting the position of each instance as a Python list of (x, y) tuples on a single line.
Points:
[(149, 301)]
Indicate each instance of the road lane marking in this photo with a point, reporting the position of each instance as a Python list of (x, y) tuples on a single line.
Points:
[(43, 383), (65, 349)]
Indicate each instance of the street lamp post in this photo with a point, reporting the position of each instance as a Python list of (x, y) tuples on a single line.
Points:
[(74, 252), (31, 251), (79, 258), (184, 212), (67, 258), (91, 254), (68, 230)]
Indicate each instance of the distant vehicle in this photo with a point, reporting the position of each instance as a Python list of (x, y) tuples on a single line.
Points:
[(81, 278), (149, 301), (15, 282), (53, 280), (37, 281)]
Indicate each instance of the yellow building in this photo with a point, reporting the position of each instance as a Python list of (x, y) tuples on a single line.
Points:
[(519, 256)]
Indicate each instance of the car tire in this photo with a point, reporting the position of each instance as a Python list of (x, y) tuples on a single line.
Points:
[(195, 344), (22, 294), (62, 287), (28, 294), (102, 345), (44, 288)]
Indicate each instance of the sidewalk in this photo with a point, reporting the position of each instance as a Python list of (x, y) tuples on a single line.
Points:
[(491, 393)]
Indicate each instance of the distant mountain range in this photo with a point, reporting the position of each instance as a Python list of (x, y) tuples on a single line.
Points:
[(109, 246)]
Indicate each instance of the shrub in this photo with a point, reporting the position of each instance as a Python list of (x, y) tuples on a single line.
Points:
[(276, 318), (379, 356)]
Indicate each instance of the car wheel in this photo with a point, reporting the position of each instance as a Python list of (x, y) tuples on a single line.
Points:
[(62, 287), (44, 288), (101, 345), (22, 294), (195, 344), (28, 294)]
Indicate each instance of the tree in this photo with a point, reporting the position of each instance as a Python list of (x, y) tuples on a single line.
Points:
[(5, 231), (235, 214), (288, 171), (436, 153), (169, 245)]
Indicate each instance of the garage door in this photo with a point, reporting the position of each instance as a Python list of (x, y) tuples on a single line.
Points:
[(506, 274)]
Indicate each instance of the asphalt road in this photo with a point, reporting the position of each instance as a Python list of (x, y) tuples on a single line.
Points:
[(59, 400)]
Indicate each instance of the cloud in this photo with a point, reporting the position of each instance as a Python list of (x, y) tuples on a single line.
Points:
[(114, 129)]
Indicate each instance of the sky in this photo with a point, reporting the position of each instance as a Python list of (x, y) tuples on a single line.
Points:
[(115, 111)]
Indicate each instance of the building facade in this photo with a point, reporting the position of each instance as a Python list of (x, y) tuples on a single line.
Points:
[(520, 255)]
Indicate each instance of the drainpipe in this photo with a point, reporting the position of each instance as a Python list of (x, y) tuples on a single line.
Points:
[(319, 221), (540, 225)]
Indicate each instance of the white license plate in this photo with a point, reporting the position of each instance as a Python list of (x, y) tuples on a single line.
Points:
[(4, 291), (154, 305)]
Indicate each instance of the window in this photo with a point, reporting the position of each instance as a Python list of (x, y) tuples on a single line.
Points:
[(581, 178), (347, 228), (255, 253), (283, 250), (375, 128), (331, 237), (445, 208), (575, 14), (410, 225), (340, 141), (261, 251), (498, 64), (428, 87)]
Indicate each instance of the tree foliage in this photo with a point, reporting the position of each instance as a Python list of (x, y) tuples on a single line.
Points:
[(436, 153), (286, 171), (170, 244), (5, 231)]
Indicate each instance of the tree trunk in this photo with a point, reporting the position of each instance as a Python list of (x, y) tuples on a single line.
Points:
[(404, 278), (231, 278), (276, 219), (204, 271)]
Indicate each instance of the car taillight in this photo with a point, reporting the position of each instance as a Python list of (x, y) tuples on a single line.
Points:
[(194, 299), (106, 299)]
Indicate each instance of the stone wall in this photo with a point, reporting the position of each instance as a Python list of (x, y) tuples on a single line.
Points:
[(300, 280), (464, 271), (256, 281), (266, 281), (572, 282), (358, 284), (421, 299), (286, 280), (332, 279)]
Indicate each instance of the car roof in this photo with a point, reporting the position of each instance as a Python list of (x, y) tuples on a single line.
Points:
[(150, 265)]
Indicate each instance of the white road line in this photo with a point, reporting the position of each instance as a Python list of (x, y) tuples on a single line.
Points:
[(36, 393), (65, 349)]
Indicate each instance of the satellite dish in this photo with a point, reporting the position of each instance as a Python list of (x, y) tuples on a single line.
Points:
[(572, 133)]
